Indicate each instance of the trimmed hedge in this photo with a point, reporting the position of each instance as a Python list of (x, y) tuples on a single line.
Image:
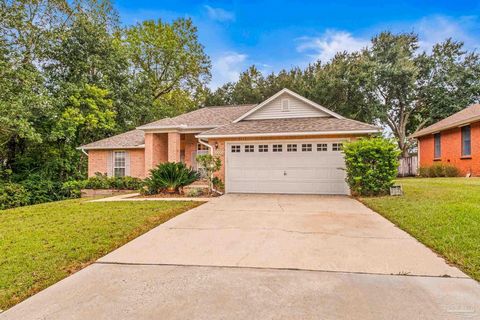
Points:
[(101, 181), (371, 165), (438, 170)]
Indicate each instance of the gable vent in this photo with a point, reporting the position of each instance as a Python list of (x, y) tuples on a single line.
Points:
[(285, 105)]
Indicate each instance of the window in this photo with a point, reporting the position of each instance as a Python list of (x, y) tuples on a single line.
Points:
[(201, 147), (285, 105), (291, 148), (307, 147), (263, 148), (277, 148), (437, 153), (466, 142), (249, 148), (336, 146), (322, 147), (235, 149), (119, 163)]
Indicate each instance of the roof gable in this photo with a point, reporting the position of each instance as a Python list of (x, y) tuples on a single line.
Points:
[(287, 104)]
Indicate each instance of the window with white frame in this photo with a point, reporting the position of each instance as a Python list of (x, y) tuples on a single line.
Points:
[(235, 148), (263, 148), (119, 163), (285, 105), (306, 147), (322, 147), (337, 146), (249, 148), (277, 148), (291, 148)]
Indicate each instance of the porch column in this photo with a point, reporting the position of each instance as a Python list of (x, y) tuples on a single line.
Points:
[(155, 150), (173, 147)]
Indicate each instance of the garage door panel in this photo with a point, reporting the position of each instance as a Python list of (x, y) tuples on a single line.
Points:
[(309, 172)]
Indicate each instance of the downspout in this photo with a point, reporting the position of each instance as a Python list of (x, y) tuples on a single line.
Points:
[(211, 153), (206, 145), (83, 150)]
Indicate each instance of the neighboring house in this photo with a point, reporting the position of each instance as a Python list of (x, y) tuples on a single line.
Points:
[(454, 140), (286, 144)]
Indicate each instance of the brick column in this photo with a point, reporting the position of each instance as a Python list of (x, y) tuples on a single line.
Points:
[(155, 150), (173, 147)]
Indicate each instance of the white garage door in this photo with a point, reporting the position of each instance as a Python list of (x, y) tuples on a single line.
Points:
[(305, 167)]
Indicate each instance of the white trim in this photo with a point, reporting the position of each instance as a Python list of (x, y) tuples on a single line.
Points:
[(296, 95), (142, 146), (280, 134)]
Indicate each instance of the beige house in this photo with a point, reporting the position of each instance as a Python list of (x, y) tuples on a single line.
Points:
[(286, 144)]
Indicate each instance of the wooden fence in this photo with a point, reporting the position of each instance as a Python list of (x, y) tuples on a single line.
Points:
[(408, 166)]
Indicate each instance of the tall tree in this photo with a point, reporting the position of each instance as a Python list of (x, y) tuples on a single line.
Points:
[(408, 89), (168, 58)]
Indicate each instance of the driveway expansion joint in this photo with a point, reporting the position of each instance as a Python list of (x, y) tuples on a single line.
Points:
[(292, 231), (277, 269)]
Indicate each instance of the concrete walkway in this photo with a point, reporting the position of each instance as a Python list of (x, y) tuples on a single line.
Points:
[(265, 256), (131, 197)]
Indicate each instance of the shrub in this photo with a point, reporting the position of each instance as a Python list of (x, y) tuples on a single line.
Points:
[(211, 165), (451, 171), (218, 183), (13, 195), (71, 189), (438, 170), (42, 189), (195, 192), (170, 176), (371, 165)]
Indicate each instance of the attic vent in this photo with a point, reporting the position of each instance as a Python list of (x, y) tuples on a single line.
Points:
[(285, 105)]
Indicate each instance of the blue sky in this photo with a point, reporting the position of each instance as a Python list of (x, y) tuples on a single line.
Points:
[(277, 35)]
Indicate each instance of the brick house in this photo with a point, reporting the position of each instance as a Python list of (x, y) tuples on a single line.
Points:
[(454, 140), (285, 144)]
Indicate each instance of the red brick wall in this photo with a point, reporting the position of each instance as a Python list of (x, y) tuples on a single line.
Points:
[(451, 147), (137, 163), (97, 161), (220, 151)]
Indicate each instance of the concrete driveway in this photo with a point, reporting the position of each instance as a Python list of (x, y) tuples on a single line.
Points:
[(265, 256)]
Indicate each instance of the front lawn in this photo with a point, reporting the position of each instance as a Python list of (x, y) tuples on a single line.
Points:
[(41, 244), (442, 213)]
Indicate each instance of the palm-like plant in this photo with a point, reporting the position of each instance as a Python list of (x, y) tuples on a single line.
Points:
[(170, 176)]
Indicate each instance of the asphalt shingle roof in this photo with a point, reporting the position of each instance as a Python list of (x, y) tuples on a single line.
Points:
[(208, 116), (294, 125), (470, 113), (129, 139)]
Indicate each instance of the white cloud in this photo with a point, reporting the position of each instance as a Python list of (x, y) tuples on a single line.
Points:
[(227, 67), (435, 29), (219, 14), (332, 41)]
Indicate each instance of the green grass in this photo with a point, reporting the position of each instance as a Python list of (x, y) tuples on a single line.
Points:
[(42, 244), (442, 213)]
